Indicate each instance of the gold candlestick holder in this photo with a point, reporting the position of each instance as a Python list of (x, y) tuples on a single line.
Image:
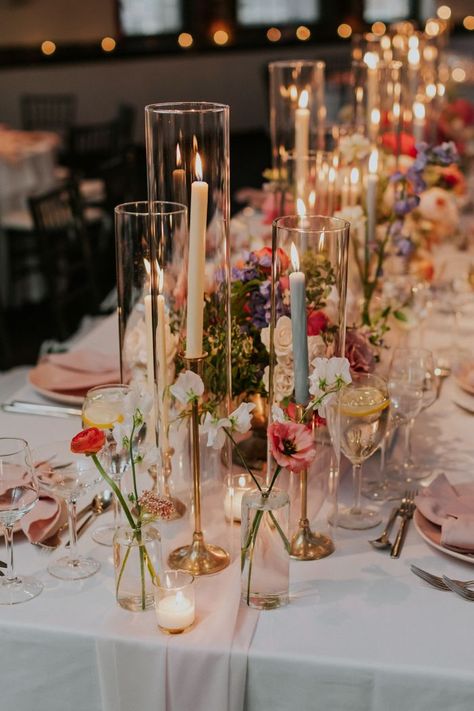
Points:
[(304, 544), (198, 558)]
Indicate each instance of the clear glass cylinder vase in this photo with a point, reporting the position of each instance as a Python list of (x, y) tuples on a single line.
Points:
[(297, 108), (137, 562), (187, 148), (264, 554)]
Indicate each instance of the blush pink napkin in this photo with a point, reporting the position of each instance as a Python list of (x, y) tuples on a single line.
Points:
[(75, 371), (451, 508), (45, 518)]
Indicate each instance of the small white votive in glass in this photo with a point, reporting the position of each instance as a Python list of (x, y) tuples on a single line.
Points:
[(174, 601), (239, 485)]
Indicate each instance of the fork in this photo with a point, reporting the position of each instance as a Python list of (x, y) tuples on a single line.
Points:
[(407, 510), (437, 581), (459, 589)]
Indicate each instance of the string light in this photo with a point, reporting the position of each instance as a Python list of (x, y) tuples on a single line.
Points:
[(458, 74), (108, 44), (344, 30), (444, 12), (303, 33), (48, 47), (379, 28), (185, 40), (273, 34), (468, 22), (220, 37)]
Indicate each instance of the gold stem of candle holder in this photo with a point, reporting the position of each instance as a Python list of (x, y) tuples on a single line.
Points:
[(306, 545), (198, 558)]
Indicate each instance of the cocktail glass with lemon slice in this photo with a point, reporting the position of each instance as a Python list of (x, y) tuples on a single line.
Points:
[(357, 418), (104, 408)]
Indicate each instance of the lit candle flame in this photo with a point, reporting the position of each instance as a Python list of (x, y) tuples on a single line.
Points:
[(431, 91), (161, 277), (293, 92), (300, 207), (414, 56), (419, 110), (371, 59), (354, 176), (413, 42), (198, 167), (312, 198), (396, 110), (375, 116), (332, 175), (147, 265), (242, 481), (295, 260), (373, 161), (303, 100), (178, 156)]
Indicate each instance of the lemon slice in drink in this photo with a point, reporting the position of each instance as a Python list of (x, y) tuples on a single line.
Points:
[(102, 414), (362, 402)]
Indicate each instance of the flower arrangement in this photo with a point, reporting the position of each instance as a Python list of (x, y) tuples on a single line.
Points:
[(141, 508)]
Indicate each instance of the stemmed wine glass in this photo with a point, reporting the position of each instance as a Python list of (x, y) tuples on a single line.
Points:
[(357, 418), (104, 407), (19, 492), (69, 476), (413, 388)]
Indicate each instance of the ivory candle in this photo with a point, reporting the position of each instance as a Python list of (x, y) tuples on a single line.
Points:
[(299, 329), (371, 60), (150, 369), (302, 116), (234, 495), (162, 365), (175, 612), (371, 205), (196, 263), (418, 121), (179, 179)]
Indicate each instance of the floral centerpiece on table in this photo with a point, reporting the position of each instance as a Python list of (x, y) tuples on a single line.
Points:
[(139, 508)]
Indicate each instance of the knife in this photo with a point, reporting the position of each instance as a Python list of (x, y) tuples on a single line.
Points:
[(21, 407)]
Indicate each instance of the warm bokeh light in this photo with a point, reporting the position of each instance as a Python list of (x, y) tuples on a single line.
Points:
[(185, 40), (379, 28), (273, 34), (430, 91), (444, 12), (468, 22), (48, 47), (432, 28), (303, 33), (220, 37), (458, 74), (108, 44), (344, 30)]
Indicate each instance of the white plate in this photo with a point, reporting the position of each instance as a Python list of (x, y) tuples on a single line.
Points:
[(63, 398), (432, 534)]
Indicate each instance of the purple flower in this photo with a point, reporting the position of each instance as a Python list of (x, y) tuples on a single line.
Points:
[(405, 247), (445, 154), (416, 179), (405, 205), (359, 352)]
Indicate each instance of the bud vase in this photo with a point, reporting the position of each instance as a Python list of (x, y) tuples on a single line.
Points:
[(137, 561), (265, 556)]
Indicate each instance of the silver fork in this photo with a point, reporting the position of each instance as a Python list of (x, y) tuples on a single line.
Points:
[(407, 510), (457, 587), (437, 581)]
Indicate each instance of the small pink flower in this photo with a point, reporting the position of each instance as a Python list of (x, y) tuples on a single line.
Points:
[(291, 445)]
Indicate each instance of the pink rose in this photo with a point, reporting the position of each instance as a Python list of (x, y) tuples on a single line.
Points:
[(291, 445), (359, 351), (317, 322)]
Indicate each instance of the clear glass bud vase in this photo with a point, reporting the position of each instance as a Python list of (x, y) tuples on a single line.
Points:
[(265, 550), (137, 562)]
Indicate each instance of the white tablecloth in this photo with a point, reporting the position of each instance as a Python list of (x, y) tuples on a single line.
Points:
[(361, 631)]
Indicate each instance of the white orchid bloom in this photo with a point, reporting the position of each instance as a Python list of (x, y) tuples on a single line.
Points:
[(241, 418), (277, 414), (214, 428), (187, 387)]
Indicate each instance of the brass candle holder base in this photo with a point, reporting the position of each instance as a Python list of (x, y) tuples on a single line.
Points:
[(306, 545), (199, 558)]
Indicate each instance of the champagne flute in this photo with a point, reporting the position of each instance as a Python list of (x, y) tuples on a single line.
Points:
[(357, 418), (104, 407), (70, 477), (19, 492), (412, 388)]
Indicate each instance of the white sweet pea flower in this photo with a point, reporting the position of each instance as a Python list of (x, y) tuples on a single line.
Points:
[(327, 373), (138, 399), (338, 371), (187, 387), (277, 414), (241, 418), (214, 428), (122, 430)]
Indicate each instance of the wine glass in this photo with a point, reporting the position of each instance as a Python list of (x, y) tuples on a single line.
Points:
[(357, 418), (413, 388), (19, 492), (104, 407), (69, 476)]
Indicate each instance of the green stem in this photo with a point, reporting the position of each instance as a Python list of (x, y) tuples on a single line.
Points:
[(242, 460), (267, 493), (132, 461), (285, 540), (116, 491), (122, 568), (258, 515), (142, 566)]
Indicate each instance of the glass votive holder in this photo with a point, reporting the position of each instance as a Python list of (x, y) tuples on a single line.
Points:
[(238, 485), (174, 601)]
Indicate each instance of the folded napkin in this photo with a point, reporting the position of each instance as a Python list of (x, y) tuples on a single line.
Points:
[(76, 371), (45, 518), (451, 508)]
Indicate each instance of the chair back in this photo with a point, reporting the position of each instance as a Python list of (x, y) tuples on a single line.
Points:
[(90, 145), (48, 112)]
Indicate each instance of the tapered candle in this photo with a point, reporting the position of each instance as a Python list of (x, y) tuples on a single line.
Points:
[(371, 60), (418, 121), (354, 187), (302, 116), (299, 330), (179, 179), (162, 365), (150, 370), (371, 205), (196, 263)]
